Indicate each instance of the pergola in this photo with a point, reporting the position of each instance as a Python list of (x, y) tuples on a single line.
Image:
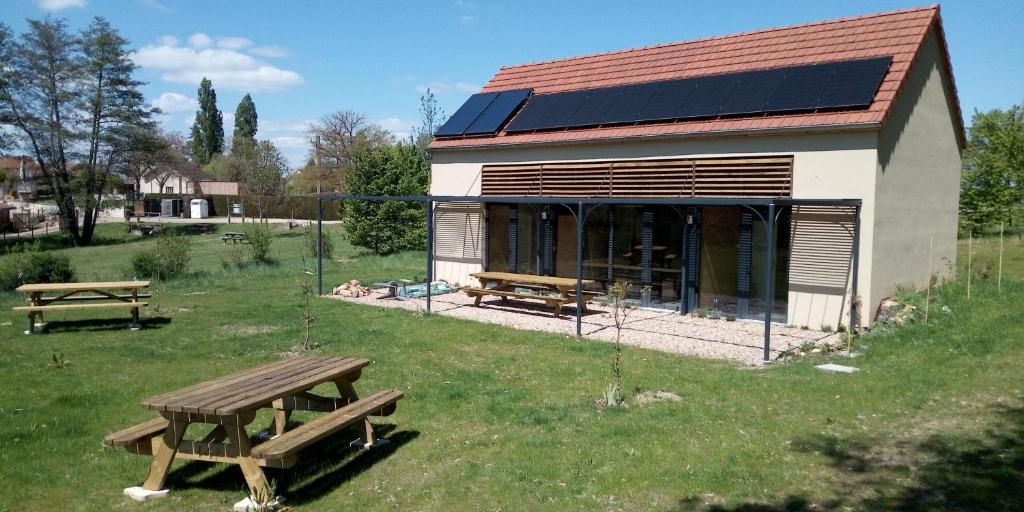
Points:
[(581, 207)]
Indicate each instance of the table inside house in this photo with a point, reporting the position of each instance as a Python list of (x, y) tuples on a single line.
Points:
[(554, 291), (50, 297), (221, 411)]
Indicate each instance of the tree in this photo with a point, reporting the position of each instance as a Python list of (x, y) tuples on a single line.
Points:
[(208, 129), (341, 134), (245, 123), (72, 102), (263, 175), (386, 227), (431, 118), (140, 162), (992, 183)]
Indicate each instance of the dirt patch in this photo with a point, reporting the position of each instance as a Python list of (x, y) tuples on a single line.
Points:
[(649, 397), (246, 329)]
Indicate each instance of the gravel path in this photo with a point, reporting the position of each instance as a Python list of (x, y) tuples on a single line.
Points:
[(741, 340)]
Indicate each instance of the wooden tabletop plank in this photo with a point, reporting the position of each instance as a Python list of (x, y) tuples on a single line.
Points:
[(255, 399), (167, 401), (102, 285), (198, 403), (509, 277)]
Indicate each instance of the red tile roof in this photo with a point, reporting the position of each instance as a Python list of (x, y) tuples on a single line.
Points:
[(897, 33)]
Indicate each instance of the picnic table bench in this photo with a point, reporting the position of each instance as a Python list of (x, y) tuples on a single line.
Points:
[(554, 291), (230, 404), (235, 237), (69, 296)]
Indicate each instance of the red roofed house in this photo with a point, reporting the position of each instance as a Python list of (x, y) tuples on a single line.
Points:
[(773, 114)]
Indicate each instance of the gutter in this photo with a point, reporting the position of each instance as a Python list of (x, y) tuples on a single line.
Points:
[(828, 128)]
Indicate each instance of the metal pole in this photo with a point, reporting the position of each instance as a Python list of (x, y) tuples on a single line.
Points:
[(430, 248), (319, 246), (769, 282), (854, 319), (683, 263), (579, 268)]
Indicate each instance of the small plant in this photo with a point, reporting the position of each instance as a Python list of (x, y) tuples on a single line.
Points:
[(168, 258), (28, 263), (260, 241), (826, 328), (326, 245), (265, 500), (57, 362), (620, 312), (730, 318), (700, 312), (306, 285), (841, 327)]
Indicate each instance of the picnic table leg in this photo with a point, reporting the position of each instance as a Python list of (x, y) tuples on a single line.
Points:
[(31, 322), (135, 311), (259, 488), (281, 415), (164, 449), (366, 428)]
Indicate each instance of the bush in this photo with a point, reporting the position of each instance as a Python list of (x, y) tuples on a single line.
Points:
[(259, 243), (30, 264), (325, 243), (168, 258)]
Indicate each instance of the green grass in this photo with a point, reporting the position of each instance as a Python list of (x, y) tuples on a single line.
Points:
[(496, 418)]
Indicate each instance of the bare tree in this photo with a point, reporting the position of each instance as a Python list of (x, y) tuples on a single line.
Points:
[(338, 135), (263, 175)]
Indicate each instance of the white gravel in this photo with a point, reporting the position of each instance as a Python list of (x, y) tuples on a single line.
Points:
[(740, 340)]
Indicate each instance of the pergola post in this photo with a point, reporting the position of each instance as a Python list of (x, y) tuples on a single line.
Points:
[(854, 320), (769, 281), (319, 246), (430, 247), (579, 268)]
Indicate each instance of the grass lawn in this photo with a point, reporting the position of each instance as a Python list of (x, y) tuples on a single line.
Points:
[(499, 419)]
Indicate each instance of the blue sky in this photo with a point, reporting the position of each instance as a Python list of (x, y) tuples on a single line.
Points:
[(303, 59)]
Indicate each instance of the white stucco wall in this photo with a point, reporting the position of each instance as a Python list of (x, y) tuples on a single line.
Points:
[(918, 181)]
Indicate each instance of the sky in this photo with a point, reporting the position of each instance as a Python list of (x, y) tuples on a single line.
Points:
[(302, 59)]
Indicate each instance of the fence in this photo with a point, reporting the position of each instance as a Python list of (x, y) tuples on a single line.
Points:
[(282, 207)]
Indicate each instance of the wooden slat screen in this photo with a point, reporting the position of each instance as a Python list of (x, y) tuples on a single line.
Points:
[(718, 177)]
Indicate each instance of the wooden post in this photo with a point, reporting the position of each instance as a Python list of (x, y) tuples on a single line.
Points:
[(970, 253), (928, 292), (999, 272)]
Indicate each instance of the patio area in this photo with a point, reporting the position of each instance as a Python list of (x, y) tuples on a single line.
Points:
[(741, 340)]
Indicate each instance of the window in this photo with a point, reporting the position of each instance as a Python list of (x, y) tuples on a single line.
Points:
[(168, 190)]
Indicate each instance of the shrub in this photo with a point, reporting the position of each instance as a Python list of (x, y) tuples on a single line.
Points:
[(386, 227), (30, 264), (325, 243), (168, 258), (259, 243)]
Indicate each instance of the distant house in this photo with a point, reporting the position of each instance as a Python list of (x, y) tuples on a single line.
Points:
[(862, 110), (22, 179), (184, 179)]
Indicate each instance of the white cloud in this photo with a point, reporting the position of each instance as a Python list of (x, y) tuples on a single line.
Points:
[(155, 5), (400, 128), (200, 41), (467, 20), (436, 86), (227, 68), (269, 51), (233, 43), (173, 102), (169, 41), (468, 87), (56, 5)]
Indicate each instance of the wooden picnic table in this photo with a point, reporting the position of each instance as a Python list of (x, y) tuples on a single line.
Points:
[(230, 403), (554, 291), (234, 237), (95, 295)]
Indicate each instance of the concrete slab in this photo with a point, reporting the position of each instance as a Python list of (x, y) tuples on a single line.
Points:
[(837, 368), (138, 493)]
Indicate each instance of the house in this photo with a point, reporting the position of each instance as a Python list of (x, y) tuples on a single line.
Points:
[(855, 111), (184, 178), (22, 178)]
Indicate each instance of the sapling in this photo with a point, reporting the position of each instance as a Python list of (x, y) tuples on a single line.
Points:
[(620, 312)]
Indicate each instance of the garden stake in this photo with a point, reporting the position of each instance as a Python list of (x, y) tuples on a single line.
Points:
[(928, 293), (999, 273)]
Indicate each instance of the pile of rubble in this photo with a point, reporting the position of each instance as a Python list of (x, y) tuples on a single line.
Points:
[(352, 288)]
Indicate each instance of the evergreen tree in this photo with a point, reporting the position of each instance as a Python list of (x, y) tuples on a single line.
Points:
[(208, 129), (245, 123)]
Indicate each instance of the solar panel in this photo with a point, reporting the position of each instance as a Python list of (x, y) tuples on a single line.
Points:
[(532, 114), (752, 92), (854, 83), (466, 114), (594, 109), (667, 101), (800, 88), (634, 98), (495, 115), (708, 95)]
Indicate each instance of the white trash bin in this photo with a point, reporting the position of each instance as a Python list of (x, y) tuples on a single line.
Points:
[(199, 209)]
